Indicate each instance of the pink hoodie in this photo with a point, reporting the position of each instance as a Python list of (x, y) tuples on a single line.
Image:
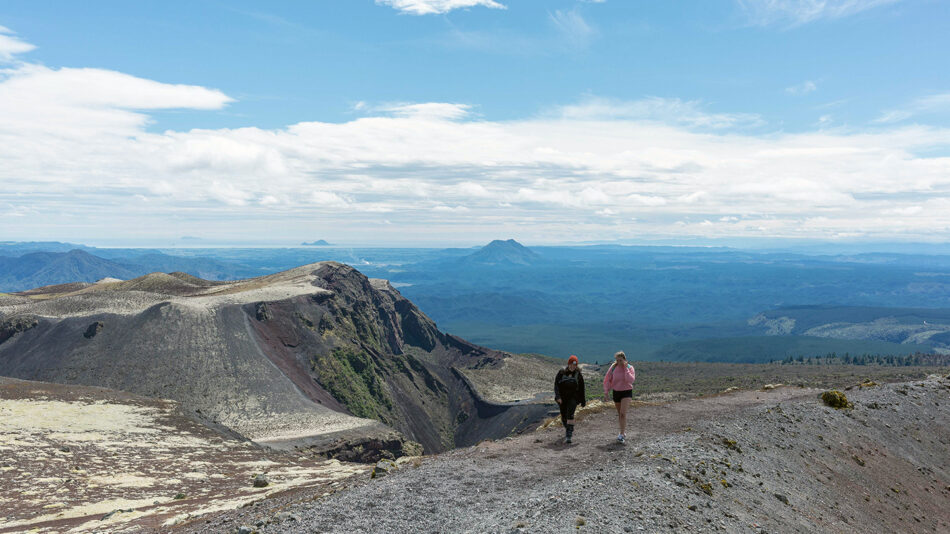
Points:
[(619, 379)]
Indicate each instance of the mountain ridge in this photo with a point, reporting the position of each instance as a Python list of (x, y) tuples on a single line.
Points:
[(289, 359)]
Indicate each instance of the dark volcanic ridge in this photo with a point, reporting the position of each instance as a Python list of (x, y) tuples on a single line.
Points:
[(317, 356)]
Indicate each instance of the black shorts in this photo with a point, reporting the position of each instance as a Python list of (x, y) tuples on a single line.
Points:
[(618, 395)]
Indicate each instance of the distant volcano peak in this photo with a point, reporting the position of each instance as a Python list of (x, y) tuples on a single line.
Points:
[(504, 252)]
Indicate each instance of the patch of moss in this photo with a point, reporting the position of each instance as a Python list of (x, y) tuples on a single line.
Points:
[(836, 399), (706, 487), (304, 320), (353, 378)]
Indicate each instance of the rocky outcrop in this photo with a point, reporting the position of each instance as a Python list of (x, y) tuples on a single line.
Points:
[(372, 450), (15, 325), (93, 329)]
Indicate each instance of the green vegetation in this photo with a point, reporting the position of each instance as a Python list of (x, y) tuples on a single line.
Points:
[(353, 378), (761, 349), (835, 399), (917, 359)]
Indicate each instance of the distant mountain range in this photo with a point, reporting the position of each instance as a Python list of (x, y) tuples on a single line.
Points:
[(36, 269), (48, 268)]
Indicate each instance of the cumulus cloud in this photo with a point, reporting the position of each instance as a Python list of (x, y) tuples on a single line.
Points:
[(84, 154), (797, 12), (435, 7)]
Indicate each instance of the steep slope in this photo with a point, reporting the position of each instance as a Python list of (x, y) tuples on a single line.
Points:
[(287, 359)]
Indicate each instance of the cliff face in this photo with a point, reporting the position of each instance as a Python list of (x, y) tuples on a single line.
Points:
[(378, 356), (286, 359)]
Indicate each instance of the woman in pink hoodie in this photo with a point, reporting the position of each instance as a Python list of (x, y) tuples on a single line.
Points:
[(620, 377)]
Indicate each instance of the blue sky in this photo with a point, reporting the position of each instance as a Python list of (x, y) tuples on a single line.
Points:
[(430, 122)]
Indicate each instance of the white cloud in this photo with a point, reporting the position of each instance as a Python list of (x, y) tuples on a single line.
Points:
[(797, 12), (936, 103), (434, 7), (450, 209), (68, 134), (803, 88), (429, 110), (11, 46), (667, 110), (573, 27)]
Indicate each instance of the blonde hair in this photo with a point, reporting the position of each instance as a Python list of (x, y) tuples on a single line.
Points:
[(621, 354)]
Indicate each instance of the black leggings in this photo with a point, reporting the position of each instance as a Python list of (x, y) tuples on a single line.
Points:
[(568, 406)]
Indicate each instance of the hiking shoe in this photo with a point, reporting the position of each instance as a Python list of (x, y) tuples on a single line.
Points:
[(620, 438), (567, 439)]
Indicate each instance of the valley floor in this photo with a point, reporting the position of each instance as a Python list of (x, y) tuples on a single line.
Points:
[(746, 461)]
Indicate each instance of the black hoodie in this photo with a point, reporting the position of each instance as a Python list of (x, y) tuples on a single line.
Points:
[(569, 384)]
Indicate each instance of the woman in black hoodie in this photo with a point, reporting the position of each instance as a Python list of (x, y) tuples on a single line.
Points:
[(569, 392)]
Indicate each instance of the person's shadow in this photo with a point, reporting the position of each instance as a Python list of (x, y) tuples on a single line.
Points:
[(611, 446), (558, 445)]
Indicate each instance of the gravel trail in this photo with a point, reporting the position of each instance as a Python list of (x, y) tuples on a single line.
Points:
[(748, 461)]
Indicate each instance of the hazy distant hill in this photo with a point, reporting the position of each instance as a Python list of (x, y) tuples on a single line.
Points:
[(19, 248), (500, 252), (48, 268), (20, 271), (317, 243)]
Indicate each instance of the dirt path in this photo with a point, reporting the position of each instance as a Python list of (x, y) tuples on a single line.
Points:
[(750, 461)]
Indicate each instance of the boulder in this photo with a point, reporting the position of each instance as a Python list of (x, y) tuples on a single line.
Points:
[(93, 329), (383, 468), (261, 481)]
